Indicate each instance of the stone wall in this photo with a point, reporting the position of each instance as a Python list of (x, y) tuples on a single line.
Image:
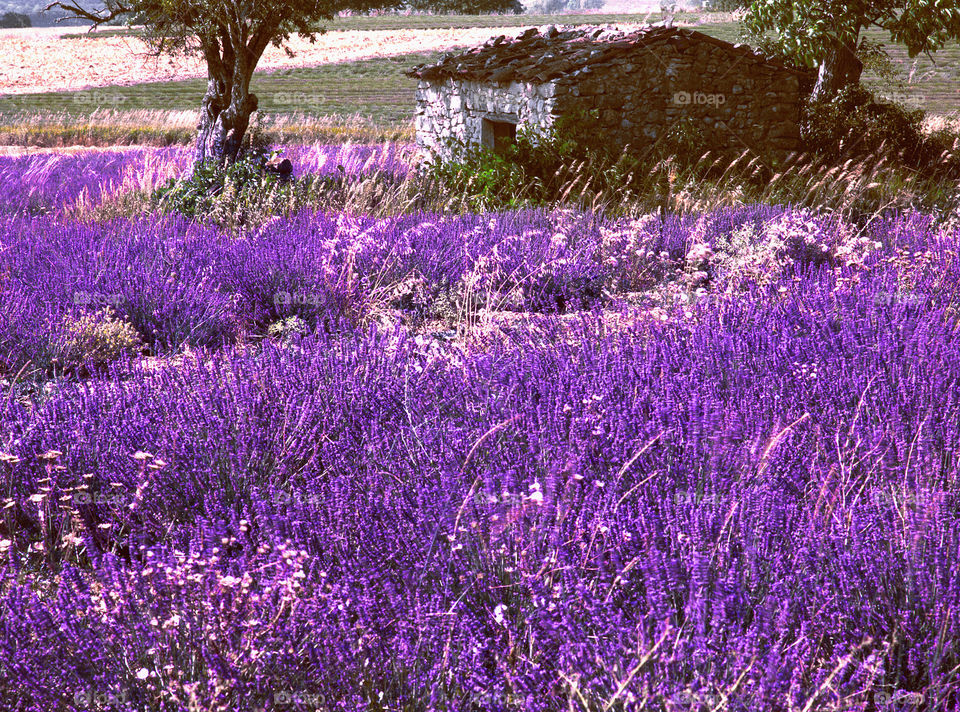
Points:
[(455, 110), (735, 104), (735, 98)]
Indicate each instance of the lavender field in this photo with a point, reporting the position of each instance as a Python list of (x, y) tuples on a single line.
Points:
[(539, 460), (54, 183)]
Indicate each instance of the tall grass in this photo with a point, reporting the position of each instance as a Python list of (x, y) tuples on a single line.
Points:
[(387, 180), (856, 188), (111, 127)]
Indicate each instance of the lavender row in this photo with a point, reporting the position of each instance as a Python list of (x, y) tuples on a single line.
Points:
[(51, 183), (171, 283), (758, 504)]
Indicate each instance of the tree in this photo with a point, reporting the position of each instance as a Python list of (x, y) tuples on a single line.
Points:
[(826, 33), (231, 36), (15, 19)]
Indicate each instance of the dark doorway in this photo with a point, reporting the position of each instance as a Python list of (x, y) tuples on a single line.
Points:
[(497, 135)]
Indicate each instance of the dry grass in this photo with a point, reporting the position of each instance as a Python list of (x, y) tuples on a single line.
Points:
[(940, 122), (109, 128)]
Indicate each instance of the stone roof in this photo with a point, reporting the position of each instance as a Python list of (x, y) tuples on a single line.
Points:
[(540, 57)]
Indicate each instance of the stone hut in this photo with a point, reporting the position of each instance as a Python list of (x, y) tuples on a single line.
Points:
[(641, 83)]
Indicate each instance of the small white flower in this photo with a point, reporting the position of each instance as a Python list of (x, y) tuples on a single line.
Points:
[(537, 497), (498, 613), (142, 674)]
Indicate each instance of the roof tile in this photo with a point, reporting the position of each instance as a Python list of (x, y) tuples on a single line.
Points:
[(539, 58)]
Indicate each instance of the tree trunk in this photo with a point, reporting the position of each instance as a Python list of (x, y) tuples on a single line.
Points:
[(224, 119), (840, 68)]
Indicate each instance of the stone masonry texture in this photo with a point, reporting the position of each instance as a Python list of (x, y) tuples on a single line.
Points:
[(640, 84)]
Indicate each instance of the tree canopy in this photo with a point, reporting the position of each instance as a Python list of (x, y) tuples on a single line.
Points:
[(826, 34)]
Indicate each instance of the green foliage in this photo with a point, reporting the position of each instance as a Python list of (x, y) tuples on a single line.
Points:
[(853, 123), (243, 195), (217, 190), (488, 181), (570, 161), (94, 340), (808, 31)]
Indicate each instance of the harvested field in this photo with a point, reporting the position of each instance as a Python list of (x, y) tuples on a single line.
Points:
[(40, 61)]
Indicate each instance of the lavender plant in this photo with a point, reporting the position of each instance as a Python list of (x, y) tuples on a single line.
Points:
[(739, 493)]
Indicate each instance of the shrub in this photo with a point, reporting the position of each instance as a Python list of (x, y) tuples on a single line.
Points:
[(286, 330), (94, 340), (487, 181), (855, 123), (217, 190), (234, 193)]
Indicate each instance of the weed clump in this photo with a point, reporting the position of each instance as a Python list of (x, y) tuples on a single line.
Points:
[(94, 340)]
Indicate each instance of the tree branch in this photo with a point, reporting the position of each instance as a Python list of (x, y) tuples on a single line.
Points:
[(116, 9)]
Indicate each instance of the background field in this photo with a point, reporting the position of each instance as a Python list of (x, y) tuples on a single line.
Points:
[(375, 90), (439, 22)]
